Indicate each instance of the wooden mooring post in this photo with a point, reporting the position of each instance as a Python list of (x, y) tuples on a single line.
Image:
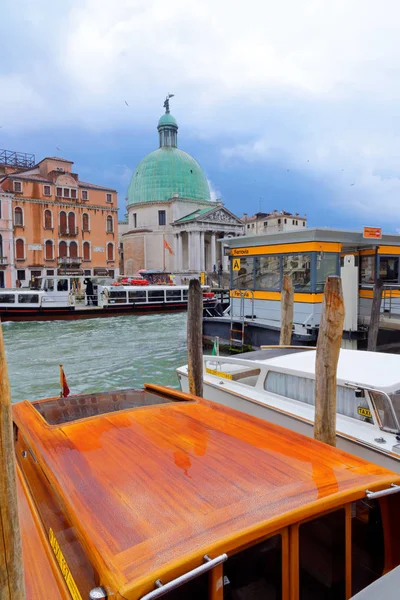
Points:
[(375, 315), (285, 338), (327, 356), (12, 584), (195, 338)]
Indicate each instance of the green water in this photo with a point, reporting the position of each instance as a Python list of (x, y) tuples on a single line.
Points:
[(97, 354)]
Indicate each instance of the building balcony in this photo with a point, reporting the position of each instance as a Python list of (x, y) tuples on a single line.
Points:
[(3, 261), (68, 231), (69, 260)]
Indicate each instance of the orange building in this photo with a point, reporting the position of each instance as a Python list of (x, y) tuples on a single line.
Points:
[(61, 224)]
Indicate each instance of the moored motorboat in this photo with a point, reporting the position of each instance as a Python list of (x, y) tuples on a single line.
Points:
[(277, 384), (140, 494)]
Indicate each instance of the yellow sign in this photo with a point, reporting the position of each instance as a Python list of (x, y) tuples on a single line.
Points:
[(364, 412), (236, 264), (374, 233), (202, 278), (219, 374), (69, 580)]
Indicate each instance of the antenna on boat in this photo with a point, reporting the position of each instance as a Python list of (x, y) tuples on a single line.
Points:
[(11, 565)]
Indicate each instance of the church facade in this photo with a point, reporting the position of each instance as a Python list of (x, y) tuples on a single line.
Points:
[(173, 225)]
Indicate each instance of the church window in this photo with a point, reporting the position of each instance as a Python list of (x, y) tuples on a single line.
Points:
[(279, 221), (134, 218), (162, 217)]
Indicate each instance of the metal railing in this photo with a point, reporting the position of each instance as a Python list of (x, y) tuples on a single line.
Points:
[(68, 231), (69, 260)]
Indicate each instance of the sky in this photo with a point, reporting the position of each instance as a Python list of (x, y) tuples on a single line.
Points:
[(286, 105)]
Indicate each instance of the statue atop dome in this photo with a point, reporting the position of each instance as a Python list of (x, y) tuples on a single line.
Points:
[(166, 103)]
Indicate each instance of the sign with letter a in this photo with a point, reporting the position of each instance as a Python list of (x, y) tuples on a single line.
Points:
[(236, 264)]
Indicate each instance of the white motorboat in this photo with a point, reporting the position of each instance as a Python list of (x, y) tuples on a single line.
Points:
[(277, 384)]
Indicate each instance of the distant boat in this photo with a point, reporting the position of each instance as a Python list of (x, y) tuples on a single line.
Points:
[(63, 297), (140, 494), (277, 384)]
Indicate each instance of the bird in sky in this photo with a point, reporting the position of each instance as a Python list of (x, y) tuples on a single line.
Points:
[(352, 184), (57, 148), (126, 103)]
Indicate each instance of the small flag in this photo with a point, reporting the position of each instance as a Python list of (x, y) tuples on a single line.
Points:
[(63, 384), (168, 247), (214, 351)]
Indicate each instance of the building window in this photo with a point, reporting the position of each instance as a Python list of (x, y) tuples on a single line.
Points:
[(109, 224), (18, 217), (304, 223), (48, 219), (248, 226), (62, 249), (49, 250), (87, 272), (63, 223), (73, 194), (20, 249), (297, 222), (285, 221), (50, 272), (21, 274), (47, 190), (110, 251), (17, 187), (279, 221), (265, 223), (84, 194), (252, 225), (162, 217), (71, 223), (73, 250), (66, 193), (58, 192), (85, 222), (134, 220), (86, 251), (109, 198)]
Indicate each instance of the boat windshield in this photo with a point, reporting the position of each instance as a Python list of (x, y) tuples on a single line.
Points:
[(387, 408)]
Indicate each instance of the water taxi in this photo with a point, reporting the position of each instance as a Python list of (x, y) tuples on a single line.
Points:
[(67, 297), (143, 494), (277, 384)]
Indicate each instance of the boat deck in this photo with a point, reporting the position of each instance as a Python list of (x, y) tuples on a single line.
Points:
[(152, 489)]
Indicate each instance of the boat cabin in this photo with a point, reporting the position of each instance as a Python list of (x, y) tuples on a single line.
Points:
[(309, 256), (142, 494)]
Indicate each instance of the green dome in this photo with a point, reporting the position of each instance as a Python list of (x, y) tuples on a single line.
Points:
[(167, 119), (166, 172)]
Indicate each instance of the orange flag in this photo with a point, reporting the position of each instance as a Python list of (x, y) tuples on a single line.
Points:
[(168, 247), (63, 384)]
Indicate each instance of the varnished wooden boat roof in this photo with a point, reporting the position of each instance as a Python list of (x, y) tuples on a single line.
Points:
[(151, 490)]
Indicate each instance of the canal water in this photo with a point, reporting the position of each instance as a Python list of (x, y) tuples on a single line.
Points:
[(97, 354)]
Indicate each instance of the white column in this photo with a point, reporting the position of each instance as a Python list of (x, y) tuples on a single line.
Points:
[(213, 251), (180, 252), (202, 252), (189, 250), (176, 252), (196, 252)]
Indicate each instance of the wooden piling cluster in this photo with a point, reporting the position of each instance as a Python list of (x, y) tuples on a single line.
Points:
[(12, 585)]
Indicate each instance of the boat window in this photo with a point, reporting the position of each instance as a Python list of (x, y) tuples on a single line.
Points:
[(255, 572), (28, 298), (303, 390), (197, 589), (156, 295), (137, 296), (7, 298), (173, 295), (63, 410), (322, 556), (48, 285), (185, 294), (367, 269), (298, 267), (367, 541), (117, 297), (268, 273), (389, 268), (384, 413), (327, 265), (62, 285), (243, 279)]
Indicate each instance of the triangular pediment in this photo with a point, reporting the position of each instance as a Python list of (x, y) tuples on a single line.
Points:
[(218, 214)]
